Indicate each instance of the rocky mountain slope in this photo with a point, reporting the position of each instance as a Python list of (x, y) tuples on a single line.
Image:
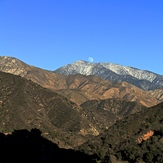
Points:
[(157, 93), (78, 88), (40, 76), (116, 73), (83, 88)]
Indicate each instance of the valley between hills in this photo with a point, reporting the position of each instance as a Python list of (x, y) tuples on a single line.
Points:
[(105, 117)]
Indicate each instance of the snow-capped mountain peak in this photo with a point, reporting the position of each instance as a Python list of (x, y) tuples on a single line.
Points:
[(114, 72)]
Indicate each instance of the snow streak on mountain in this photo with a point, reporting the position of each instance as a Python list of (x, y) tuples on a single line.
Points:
[(116, 73)]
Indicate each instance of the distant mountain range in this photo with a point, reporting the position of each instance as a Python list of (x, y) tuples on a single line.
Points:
[(78, 88), (143, 79)]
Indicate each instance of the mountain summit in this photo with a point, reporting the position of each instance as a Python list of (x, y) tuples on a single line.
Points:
[(115, 73)]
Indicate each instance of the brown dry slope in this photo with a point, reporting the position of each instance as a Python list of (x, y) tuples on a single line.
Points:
[(45, 78), (78, 88), (157, 94), (95, 88)]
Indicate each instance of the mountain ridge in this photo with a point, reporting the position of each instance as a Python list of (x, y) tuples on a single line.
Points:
[(114, 72), (94, 88), (78, 88)]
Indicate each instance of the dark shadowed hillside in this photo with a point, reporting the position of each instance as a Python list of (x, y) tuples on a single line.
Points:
[(30, 146), (24, 104), (104, 113)]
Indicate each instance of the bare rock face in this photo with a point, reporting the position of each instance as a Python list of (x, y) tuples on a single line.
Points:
[(44, 78), (158, 94), (13, 66)]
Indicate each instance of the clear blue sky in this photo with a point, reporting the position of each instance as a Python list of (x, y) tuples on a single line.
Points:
[(52, 33)]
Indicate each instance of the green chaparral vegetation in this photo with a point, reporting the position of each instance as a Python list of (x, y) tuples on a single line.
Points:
[(120, 140)]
